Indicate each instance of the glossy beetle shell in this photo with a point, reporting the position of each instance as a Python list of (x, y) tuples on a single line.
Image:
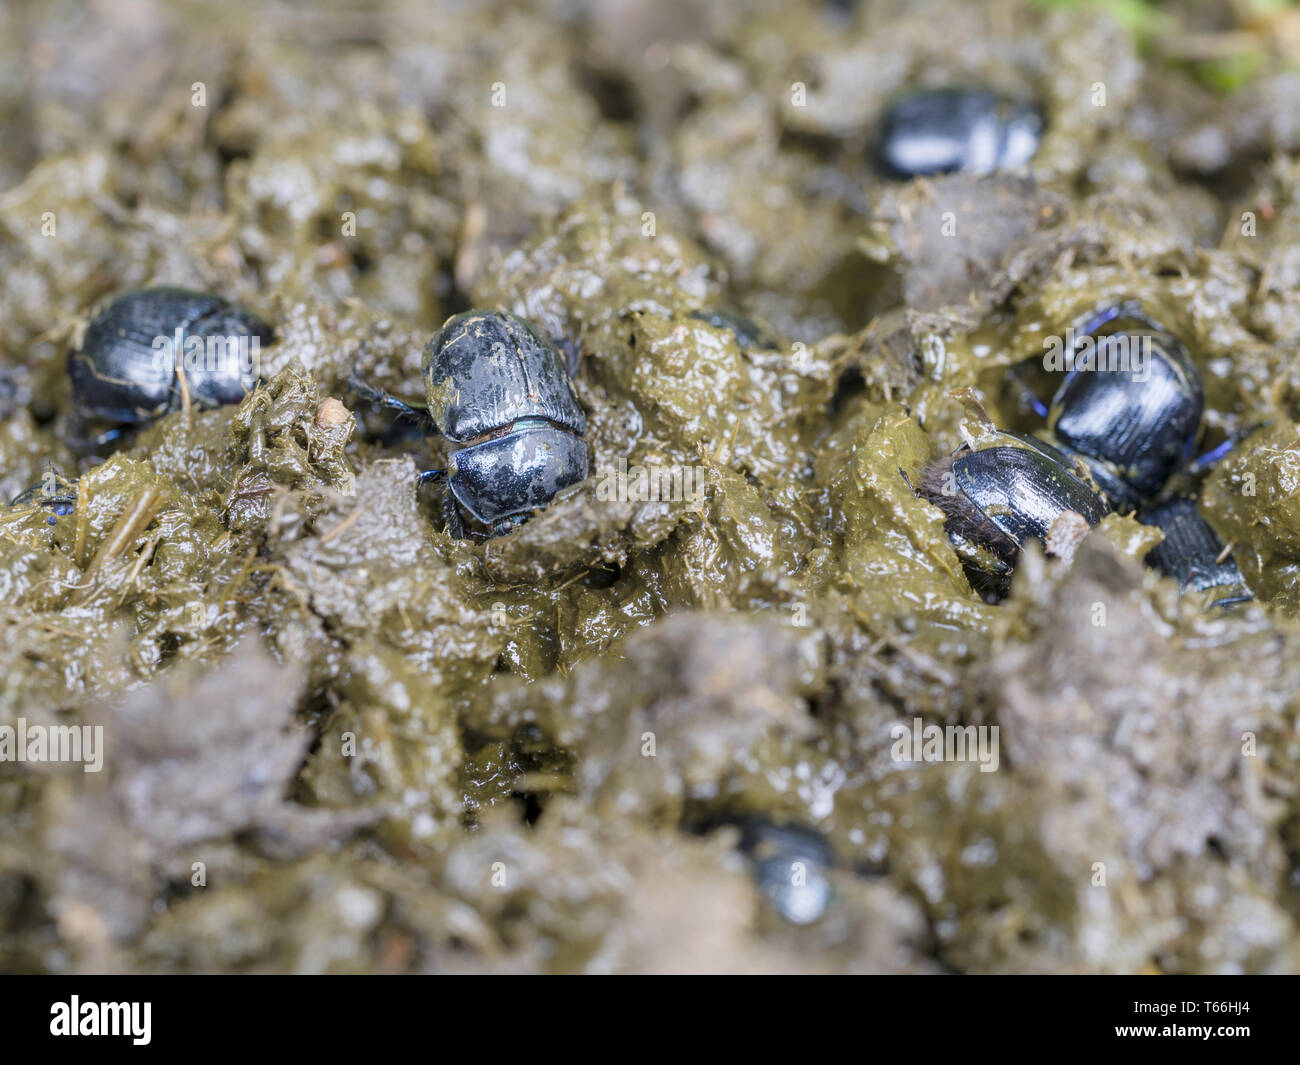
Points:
[(117, 371), (1131, 433), (939, 131), (484, 370), (1190, 551), (498, 386), (998, 497), (790, 868), (518, 471)]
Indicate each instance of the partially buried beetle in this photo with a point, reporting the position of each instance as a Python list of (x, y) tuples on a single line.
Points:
[(1125, 418), (53, 493), (1131, 410), (939, 131), (140, 356), (791, 866), (995, 498), (497, 388), (1193, 554), (1130, 407)]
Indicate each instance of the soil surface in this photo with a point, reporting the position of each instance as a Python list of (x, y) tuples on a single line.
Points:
[(336, 739)]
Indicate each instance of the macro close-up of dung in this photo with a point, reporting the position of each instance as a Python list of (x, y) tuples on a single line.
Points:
[(732, 487)]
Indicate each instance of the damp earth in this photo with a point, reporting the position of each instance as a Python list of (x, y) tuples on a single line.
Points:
[(335, 739)]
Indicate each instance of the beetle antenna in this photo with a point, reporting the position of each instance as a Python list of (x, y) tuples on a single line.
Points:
[(387, 401), (1027, 394), (1204, 462)]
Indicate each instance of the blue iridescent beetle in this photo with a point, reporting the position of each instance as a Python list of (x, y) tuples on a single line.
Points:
[(498, 388), (1132, 414), (995, 498)]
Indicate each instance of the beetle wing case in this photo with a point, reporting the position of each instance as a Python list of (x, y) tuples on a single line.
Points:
[(1138, 422), (486, 369), (116, 372), (1001, 496), (121, 374), (1191, 550), (229, 371), (104, 392), (1023, 492), (517, 472), (938, 131)]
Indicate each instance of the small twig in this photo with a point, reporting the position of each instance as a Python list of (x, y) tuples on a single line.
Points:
[(185, 396), (139, 514), (50, 627), (140, 562), (342, 526)]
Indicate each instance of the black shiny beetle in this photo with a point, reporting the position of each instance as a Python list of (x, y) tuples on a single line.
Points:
[(1130, 408), (791, 866), (497, 388), (141, 355), (53, 492), (1128, 413), (997, 497), (939, 131), (1192, 553), (1132, 414)]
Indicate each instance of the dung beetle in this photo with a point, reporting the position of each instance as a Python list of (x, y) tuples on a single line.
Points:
[(1192, 553), (997, 497), (1127, 415), (790, 868), (54, 492), (1130, 408), (145, 351), (939, 131), (497, 388)]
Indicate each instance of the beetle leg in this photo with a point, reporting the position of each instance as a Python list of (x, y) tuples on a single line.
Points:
[(1027, 394), (1204, 462), (389, 402), (451, 514), (430, 476), (1232, 600)]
